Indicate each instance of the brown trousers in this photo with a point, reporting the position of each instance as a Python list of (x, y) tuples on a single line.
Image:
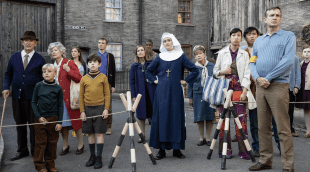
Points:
[(109, 119), (46, 144), (274, 101)]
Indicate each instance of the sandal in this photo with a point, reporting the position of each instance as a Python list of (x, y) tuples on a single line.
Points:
[(307, 135)]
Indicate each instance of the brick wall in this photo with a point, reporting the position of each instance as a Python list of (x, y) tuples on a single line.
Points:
[(158, 17)]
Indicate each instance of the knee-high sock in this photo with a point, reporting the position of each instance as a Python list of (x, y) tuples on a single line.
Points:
[(209, 127), (142, 125), (92, 149), (200, 126), (99, 149)]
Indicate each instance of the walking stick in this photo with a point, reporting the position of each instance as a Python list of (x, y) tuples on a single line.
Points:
[(2, 116), (130, 124)]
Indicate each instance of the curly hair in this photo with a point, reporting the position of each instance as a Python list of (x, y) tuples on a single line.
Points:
[(59, 45)]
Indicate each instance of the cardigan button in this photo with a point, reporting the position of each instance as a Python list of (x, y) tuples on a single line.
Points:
[(64, 90), (23, 75), (67, 100)]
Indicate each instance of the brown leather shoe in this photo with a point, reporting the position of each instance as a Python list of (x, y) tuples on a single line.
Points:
[(53, 170), (80, 151), (259, 166), (43, 170), (295, 135)]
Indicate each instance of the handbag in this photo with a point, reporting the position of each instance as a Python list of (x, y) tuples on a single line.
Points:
[(213, 90), (74, 95)]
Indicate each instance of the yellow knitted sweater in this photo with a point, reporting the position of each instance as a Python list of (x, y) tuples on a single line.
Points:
[(94, 91)]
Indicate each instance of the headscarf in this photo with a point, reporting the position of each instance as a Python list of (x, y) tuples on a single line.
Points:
[(170, 55), (204, 68), (204, 72)]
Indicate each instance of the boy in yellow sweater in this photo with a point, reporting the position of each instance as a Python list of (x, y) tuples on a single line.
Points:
[(94, 100)]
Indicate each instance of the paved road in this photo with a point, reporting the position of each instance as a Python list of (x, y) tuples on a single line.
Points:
[(195, 160)]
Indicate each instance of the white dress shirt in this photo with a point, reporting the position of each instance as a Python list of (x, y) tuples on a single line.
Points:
[(30, 55)]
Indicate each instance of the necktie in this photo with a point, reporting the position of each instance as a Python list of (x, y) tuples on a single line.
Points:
[(26, 61)]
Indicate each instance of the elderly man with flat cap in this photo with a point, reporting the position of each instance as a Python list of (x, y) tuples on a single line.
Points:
[(23, 72)]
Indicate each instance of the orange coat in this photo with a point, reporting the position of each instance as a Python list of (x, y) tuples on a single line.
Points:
[(64, 79)]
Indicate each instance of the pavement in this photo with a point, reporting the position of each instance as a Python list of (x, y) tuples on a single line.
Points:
[(195, 160)]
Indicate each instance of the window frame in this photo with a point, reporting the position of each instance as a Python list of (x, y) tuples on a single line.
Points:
[(121, 55), (190, 49), (120, 12), (191, 12)]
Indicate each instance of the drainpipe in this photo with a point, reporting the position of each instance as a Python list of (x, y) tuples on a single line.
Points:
[(63, 21), (140, 21)]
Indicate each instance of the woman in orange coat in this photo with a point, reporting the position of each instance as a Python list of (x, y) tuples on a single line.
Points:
[(67, 71)]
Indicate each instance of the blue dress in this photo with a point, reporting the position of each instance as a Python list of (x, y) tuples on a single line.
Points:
[(139, 85), (202, 109), (168, 122)]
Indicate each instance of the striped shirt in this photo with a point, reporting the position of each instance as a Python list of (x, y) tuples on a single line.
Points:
[(275, 56)]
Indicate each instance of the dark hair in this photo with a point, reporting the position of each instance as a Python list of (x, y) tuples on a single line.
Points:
[(147, 54), (93, 57), (273, 8), (103, 39), (148, 40), (80, 57), (250, 29), (235, 30)]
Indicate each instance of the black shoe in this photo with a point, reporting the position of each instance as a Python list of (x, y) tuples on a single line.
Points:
[(208, 143), (91, 161), (256, 153), (178, 154), (161, 154), (98, 163), (19, 155), (64, 152), (201, 142)]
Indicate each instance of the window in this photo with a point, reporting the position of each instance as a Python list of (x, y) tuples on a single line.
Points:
[(187, 49), (116, 50), (113, 10), (185, 12)]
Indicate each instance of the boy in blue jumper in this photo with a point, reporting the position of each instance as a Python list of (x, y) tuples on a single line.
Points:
[(47, 105)]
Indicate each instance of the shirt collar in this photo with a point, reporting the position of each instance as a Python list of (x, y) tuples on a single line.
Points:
[(58, 65), (30, 54), (280, 32), (105, 53)]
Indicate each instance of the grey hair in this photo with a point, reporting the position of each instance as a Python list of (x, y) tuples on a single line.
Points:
[(59, 45), (49, 65), (199, 48)]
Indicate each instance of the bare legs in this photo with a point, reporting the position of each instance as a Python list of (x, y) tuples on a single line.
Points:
[(92, 139), (209, 127), (142, 125), (307, 120), (65, 136), (200, 126), (79, 135)]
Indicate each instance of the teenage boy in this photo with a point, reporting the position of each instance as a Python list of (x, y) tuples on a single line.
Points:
[(94, 100), (108, 68), (47, 105)]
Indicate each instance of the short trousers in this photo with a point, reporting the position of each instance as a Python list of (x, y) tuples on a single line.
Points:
[(94, 125)]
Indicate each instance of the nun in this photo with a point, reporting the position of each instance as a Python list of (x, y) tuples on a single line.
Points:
[(168, 122)]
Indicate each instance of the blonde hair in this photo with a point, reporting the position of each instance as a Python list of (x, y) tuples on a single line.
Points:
[(49, 65), (147, 54)]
